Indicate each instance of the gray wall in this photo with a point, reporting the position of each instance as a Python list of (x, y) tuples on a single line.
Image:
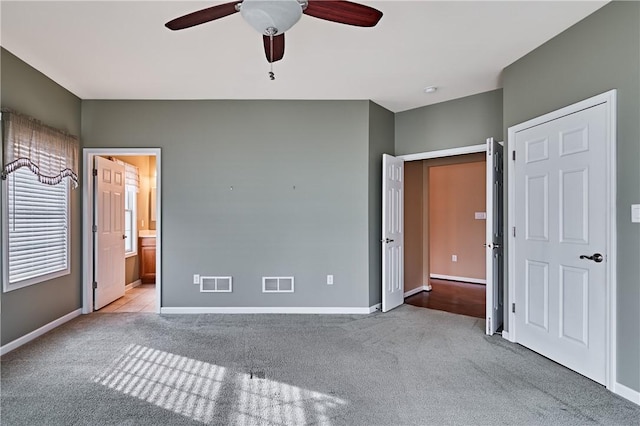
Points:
[(600, 53), (381, 133), (30, 92), (452, 124), (263, 227)]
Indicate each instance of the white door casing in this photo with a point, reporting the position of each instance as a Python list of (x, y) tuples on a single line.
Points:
[(392, 232), (494, 237), (561, 185), (109, 255)]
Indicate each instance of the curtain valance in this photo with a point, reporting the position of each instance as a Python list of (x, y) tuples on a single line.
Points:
[(50, 153)]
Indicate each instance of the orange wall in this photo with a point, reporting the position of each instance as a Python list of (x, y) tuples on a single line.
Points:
[(456, 192), (413, 224), (417, 218)]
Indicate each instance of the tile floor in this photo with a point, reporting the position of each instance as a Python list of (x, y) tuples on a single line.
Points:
[(137, 299)]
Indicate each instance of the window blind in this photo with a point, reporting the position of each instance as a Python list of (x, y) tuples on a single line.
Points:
[(38, 221)]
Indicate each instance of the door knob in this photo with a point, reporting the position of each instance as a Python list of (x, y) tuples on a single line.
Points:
[(596, 257), (124, 237), (386, 240)]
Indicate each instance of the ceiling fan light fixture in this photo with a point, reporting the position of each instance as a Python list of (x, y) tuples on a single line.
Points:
[(266, 15)]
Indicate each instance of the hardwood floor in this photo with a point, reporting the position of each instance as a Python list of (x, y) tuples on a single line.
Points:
[(137, 299), (452, 296)]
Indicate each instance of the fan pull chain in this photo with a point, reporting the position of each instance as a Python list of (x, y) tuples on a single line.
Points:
[(271, 74)]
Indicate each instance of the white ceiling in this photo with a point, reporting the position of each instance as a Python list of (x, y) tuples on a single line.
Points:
[(121, 50)]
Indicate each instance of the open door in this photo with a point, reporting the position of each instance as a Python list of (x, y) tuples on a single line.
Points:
[(392, 232), (494, 239), (109, 273)]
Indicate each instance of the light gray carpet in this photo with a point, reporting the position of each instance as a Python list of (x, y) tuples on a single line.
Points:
[(411, 366)]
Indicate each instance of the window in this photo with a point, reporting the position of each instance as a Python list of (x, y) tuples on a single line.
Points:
[(40, 164), (130, 215), (36, 220)]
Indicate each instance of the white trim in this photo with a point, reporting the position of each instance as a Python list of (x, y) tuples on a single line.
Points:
[(626, 392), (374, 308), (454, 278), (270, 310), (134, 284), (87, 214), (472, 149), (609, 99), (417, 290), (38, 332), (505, 335), (511, 220)]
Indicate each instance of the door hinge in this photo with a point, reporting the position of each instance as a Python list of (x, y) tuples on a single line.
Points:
[(513, 308), (95, 172), (95, 285), (489, 325), (514, 231), (95, 228), (513, 155)]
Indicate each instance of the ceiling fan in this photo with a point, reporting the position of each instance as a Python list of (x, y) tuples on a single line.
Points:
[(272, 18)]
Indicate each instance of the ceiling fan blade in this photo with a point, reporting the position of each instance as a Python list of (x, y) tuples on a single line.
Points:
[(202, 16), (278, 47), (343, 12)]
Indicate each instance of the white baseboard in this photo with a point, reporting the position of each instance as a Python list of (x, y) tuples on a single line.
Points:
[(134, 284), (505, 335), (376, 307), (454, 278), (626, 392), (269, 310), (417, 290), (38, 332)]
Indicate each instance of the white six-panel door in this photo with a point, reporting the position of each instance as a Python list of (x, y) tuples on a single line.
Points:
[(392, 232), (109, 264), (560, 241)]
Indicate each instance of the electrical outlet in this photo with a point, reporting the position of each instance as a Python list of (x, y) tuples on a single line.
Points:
[(196, 278), (454, 258), (329, 279), (635, 213)]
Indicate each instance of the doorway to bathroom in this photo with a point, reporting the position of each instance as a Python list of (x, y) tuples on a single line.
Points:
[(121, 230)]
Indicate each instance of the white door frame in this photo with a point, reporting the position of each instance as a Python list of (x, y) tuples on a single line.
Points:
[(609, 99), (441, 153), (87, 219)]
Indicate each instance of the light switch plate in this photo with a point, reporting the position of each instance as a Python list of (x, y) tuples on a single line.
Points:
[(481, 215), (635, 213)]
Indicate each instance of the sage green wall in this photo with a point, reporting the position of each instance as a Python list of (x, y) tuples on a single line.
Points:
[(30, 92), (452, 124), (381, 134), (600, 53), (263, 226)]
